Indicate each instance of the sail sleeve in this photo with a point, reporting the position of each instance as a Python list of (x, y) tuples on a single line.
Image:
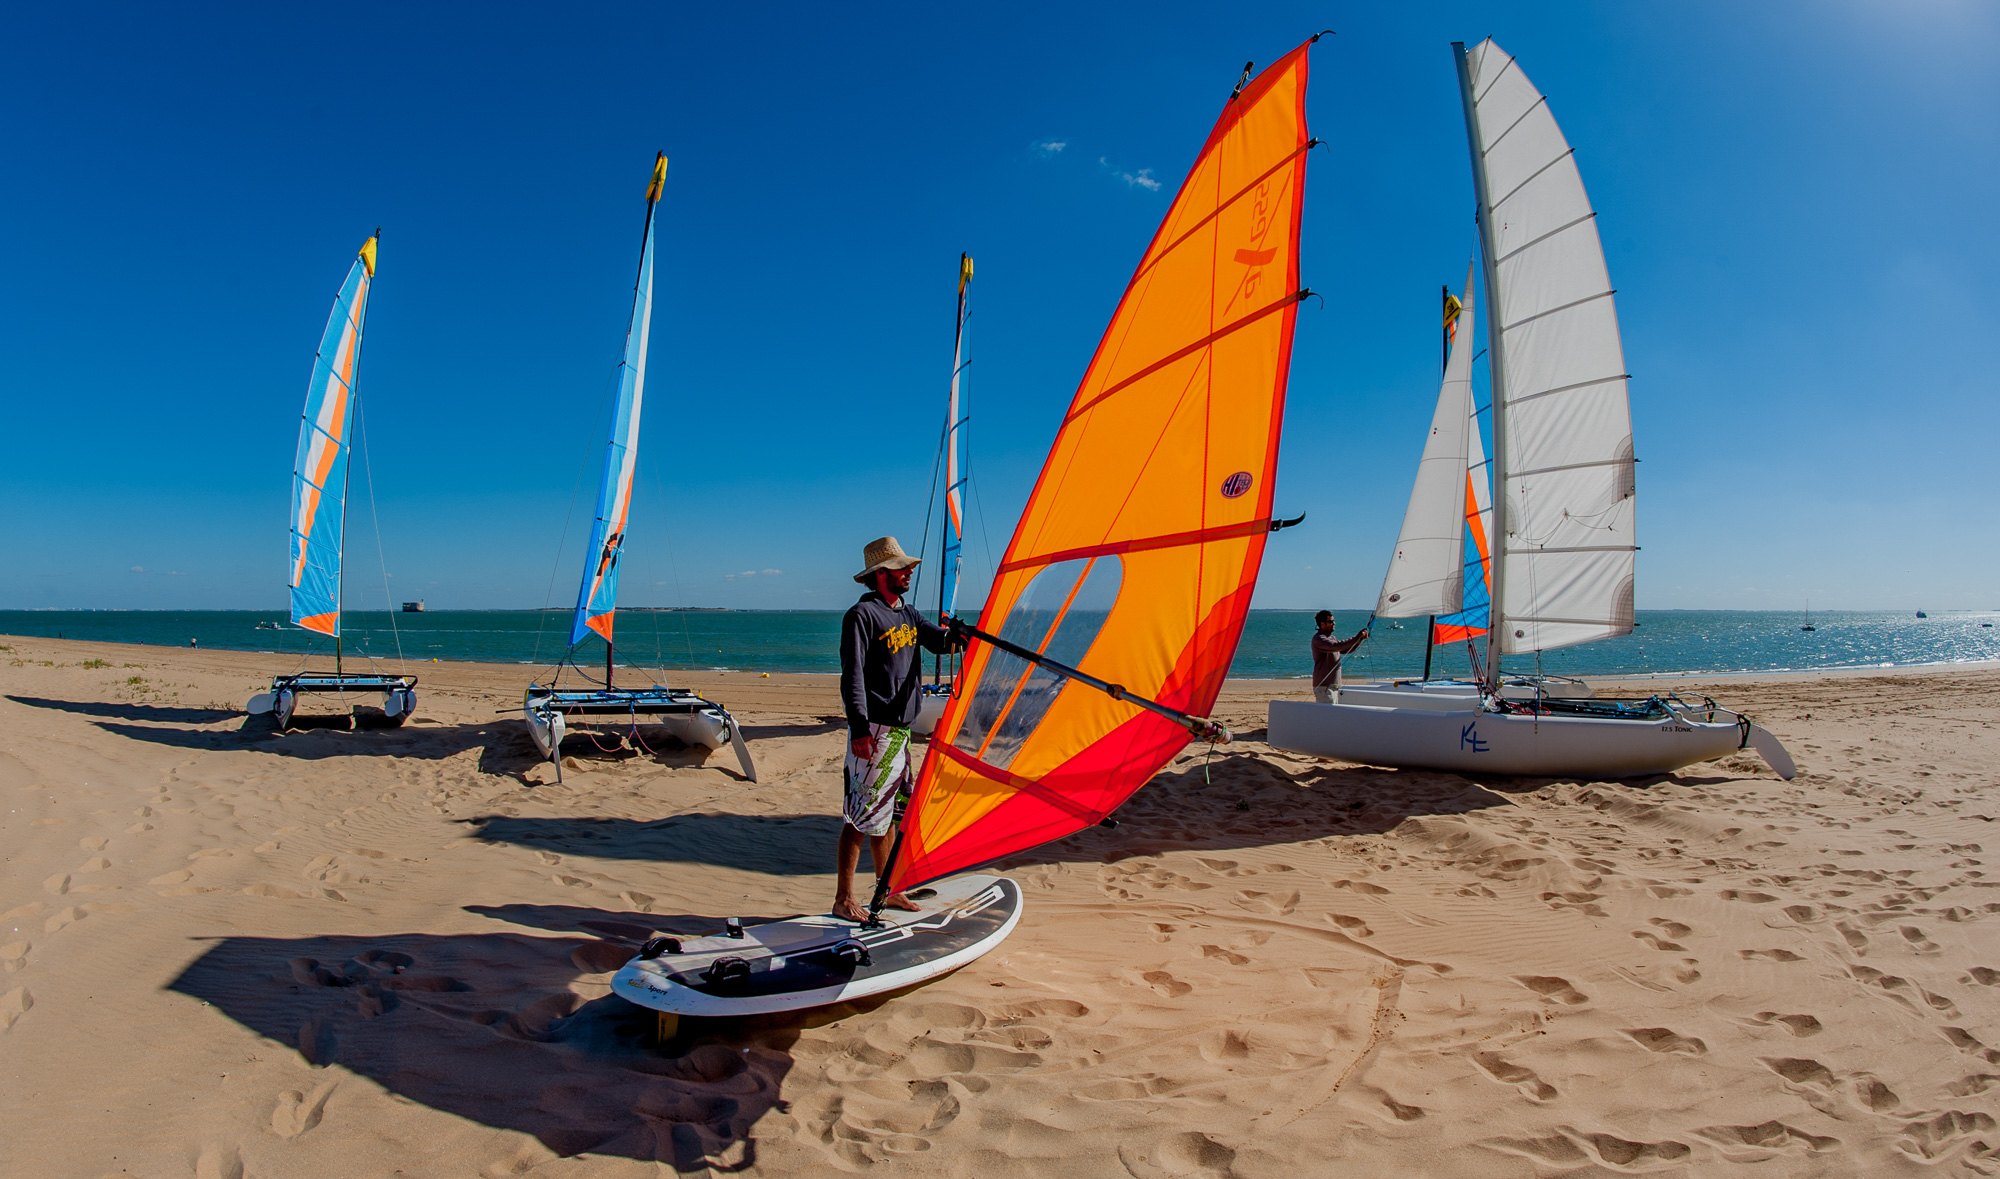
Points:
[(1569, 490), (1135, 557), (597, 596), (1426, 572), (319, 470)]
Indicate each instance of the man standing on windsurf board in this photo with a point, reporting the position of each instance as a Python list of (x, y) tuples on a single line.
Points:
[(880, 677)]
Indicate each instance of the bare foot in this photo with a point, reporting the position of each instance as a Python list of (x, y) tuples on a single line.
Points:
[(847, 910), (899, 901)]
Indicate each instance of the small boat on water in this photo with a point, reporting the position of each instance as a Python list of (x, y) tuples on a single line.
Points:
[(1115, 610), (1921, 614), (1808, 626), (952, 535), (319, 508), (689, 717), (1563, 478)]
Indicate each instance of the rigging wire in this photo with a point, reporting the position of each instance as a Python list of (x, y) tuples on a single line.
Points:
[(368, 479), (555, 567)]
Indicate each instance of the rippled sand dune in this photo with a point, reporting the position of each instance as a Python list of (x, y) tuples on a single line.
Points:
[(352, 950)]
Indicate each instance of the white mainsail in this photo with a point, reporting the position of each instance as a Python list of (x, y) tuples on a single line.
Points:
[(1562, 425), (1427, 573)]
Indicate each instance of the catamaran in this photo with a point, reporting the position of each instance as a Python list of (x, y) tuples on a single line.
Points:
[(1117, 606), (319, 508), (952, 534), (1562, 533), (690, 717)]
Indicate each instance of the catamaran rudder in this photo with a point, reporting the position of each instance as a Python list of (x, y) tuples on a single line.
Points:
[(1131, 566), (691, 718)]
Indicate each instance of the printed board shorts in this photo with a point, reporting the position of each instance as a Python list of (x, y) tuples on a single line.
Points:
[(873, 784)]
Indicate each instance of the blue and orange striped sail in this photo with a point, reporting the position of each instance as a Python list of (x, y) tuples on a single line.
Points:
[(1135, 558), (319, 472), (597, 597), (1474, 613), (954, 481)]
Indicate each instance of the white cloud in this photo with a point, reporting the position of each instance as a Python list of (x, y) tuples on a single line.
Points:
[(138, 568), (1052, 146), (752, 573), (1143, 178)]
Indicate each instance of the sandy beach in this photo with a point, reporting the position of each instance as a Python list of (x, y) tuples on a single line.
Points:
[(356, 951)]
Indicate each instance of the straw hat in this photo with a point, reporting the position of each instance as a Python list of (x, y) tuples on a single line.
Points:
[(884, 553)]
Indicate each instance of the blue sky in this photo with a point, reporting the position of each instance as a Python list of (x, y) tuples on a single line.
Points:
[(1794, 199)]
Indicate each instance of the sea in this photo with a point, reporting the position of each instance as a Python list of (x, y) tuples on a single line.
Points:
[(1274, 645)]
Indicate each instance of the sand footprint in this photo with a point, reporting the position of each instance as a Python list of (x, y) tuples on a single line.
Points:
[(1234, 959), (1520, 1076), (1766, 1140), (297, 1112), (1553, 988), (1942, 1135), (1798, 1025), (1770, 955), (1666, 1040)]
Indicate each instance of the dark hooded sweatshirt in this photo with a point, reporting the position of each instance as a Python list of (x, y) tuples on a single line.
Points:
[(879, 667)]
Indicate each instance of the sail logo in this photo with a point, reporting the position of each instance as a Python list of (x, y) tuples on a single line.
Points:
[(1236, 485), (1469, 738), (1260, 228), (899, 637)]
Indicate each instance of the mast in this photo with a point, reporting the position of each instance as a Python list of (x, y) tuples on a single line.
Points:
[(1496, 367), (1444, 370), (954, 533), (368, 249)]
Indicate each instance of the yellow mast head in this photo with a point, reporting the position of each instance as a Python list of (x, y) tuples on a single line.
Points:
[(659, 178), (367, 254)]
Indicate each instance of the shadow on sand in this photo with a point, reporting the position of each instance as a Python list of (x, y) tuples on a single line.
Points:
[(130, 710), (485, 1027), (504, 746), (780, 845)]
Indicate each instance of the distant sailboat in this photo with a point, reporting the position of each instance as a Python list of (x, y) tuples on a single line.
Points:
[(939, 689), (1116, 609), (319, 507), (1921, 614), (1564, 487), (688, 716), (1808, 626)]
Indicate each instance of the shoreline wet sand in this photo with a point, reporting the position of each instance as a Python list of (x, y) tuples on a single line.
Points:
[(356, 950)]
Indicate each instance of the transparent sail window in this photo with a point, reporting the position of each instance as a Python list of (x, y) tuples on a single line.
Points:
[(1059, 615)]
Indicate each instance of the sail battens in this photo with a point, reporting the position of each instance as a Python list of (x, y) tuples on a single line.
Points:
[(1525, 321), (1610, 462), (1531, 178), (1015, 781), (1513, 401), (1183, 353), (1136, 556), (1142, 544), (1496, 140), (1509, 256)]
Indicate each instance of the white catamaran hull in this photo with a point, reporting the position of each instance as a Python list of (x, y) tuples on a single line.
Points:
[(692, 720), (1481, 742)]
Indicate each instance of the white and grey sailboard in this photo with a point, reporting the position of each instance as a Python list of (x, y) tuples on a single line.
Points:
[(688, 716), (1564, 505)]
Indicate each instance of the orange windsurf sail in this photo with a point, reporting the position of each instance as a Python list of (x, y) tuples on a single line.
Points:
[(1136, 556)]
